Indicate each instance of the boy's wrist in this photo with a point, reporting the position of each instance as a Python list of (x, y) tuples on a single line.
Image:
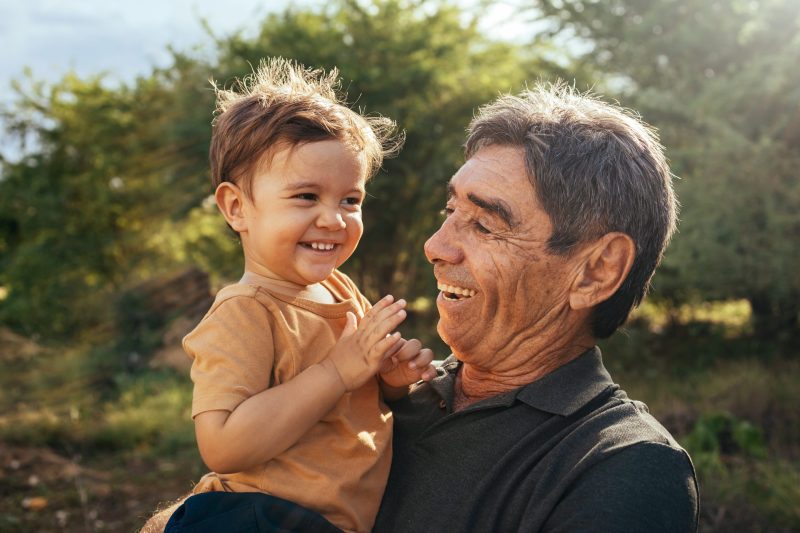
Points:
[(392, 392), (329, 366)]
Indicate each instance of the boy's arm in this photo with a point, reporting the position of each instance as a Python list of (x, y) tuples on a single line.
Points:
[(267, 423)]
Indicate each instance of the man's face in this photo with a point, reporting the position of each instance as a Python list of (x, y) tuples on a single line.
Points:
[(499, 284)]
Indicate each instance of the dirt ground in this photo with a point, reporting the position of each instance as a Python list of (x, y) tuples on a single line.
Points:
[(43, 491)]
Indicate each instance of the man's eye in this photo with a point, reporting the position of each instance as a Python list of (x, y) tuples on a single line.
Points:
[(480, 227), (306, 196), (446, 212)]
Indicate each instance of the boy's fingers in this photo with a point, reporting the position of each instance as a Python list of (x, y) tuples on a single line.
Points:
[(429, 373), (383, 322), (409, 350), (397, 307), (395, 350), (370, 316), (379, 305), (387, 325), (387, 365), (385, 307), (422, 360), (385, 343)]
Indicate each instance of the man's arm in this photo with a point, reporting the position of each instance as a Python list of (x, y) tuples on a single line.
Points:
[(646, 487)]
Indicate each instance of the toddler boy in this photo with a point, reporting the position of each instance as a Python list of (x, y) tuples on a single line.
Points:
[(291, 363)]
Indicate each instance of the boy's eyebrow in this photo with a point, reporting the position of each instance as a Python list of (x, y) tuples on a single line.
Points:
[(299, 185), (302, 185), (494, 206)]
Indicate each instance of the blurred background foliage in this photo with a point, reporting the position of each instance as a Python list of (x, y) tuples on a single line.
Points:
[(108, 208)]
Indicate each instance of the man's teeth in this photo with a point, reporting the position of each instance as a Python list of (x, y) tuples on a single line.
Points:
[(322, 245), (452, 289)]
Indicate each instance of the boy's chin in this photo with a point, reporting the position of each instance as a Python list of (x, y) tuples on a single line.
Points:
[(317, 276)]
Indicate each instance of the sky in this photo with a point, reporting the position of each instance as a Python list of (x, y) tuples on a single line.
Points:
[(120, 38), (123, 38)]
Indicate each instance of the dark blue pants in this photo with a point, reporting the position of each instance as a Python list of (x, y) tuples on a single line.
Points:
[(244, 512)]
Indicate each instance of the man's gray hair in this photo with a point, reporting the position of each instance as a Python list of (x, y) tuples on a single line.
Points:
[(595, 168)]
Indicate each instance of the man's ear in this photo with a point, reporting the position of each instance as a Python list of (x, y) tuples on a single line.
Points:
[(231, 202), (606, 264)]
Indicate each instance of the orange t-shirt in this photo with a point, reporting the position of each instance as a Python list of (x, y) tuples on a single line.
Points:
[(255, 337)]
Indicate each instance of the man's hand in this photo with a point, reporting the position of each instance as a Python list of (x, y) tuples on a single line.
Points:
[(408, 363), (361, 349)]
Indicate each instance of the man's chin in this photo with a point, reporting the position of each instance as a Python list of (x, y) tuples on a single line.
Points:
[(452, 336)]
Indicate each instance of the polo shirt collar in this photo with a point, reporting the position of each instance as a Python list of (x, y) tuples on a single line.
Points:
[(569, 387), (561, 392)]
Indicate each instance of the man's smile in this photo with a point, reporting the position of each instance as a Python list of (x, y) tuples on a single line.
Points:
[(453, 292)]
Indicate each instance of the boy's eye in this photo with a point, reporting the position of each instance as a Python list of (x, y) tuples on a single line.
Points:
[(352, 200), (306, 196)]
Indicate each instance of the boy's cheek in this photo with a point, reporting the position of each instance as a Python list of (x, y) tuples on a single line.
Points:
[(354, 217), (355, 223)]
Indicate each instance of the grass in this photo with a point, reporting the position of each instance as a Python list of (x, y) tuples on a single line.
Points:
[(740, 424), (85, 435), (86, 399), (92, 437), (729, 399)]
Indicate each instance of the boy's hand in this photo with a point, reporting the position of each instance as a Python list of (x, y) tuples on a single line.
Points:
[(409, 362), (361, 348)]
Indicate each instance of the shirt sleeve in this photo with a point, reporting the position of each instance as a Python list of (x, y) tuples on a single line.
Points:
[(646, 487), (233, 354)]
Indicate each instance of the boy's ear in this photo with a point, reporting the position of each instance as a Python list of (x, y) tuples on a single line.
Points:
[(231, 202), (607, 262)]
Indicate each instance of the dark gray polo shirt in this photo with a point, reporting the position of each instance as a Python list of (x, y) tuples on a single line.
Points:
[(569, 452)]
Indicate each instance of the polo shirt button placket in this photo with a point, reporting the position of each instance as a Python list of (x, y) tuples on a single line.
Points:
[(442, 404)]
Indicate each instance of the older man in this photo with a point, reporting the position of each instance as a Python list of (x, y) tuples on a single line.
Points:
[(554, 226)]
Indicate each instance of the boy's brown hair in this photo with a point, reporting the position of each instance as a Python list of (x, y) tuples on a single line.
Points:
[(281, 105)]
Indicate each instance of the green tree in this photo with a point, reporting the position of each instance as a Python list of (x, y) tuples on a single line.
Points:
[(115, 186), (720, 81), (425, 65), (78, 208)]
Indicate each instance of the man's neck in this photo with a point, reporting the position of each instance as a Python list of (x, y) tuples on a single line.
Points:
[(529, 362)]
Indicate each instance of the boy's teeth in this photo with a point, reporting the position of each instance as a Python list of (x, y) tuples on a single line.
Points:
[(322, 245), (452, 289)]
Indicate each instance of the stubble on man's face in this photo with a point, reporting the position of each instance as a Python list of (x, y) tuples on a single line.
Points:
[(521, 290)]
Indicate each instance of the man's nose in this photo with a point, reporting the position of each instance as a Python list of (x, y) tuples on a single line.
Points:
[(330, 218), (443, 246)]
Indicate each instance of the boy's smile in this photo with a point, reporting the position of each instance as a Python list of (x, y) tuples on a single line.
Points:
[(304, 217)]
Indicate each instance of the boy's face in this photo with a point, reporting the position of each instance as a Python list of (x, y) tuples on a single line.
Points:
[(304, 217)]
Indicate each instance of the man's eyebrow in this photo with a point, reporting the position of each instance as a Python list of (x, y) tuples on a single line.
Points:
[(494, 206)]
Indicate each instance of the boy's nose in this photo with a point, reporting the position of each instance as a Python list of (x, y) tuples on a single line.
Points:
[(330, 219)]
